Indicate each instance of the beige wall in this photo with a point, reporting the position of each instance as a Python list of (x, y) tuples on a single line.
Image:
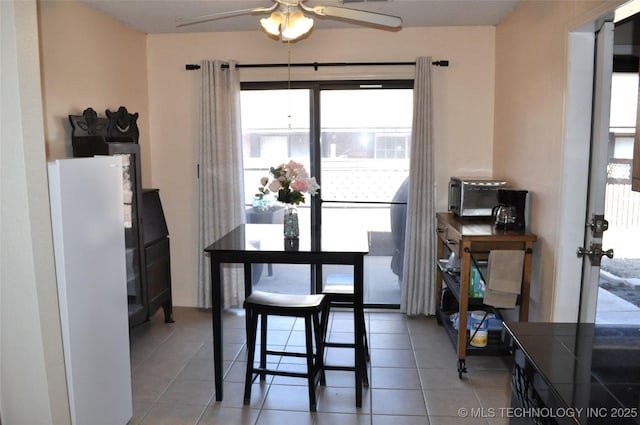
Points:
[(90, 60), (32, 377), (531, 82), (463, 106)]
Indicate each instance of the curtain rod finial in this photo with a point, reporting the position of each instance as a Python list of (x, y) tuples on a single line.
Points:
[(191, 67), (441, 63)]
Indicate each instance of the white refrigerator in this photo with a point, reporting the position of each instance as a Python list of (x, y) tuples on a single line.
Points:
[(88, 234)]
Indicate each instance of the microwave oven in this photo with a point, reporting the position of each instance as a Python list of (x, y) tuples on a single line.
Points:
[(474, 197)]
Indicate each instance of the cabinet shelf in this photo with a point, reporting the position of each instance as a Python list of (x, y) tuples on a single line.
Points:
[(495, 345), (453, 283)]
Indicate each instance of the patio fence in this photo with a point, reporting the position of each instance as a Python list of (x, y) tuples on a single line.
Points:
[(622, 205)]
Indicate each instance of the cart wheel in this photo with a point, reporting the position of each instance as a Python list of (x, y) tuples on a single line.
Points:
[(462, 368)]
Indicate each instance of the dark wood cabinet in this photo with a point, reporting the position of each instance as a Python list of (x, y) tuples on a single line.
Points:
[(157, 254), (117, 134)]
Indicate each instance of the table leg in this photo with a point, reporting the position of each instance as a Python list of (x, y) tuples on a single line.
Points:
[(216, 312), (248, 279), (358, 311)]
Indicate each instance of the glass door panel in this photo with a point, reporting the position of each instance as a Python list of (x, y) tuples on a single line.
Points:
[(275, 129), (365, 140), (135, 287)]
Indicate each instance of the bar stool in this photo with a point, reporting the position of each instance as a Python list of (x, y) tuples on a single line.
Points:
[(265, 304), (342, 296)]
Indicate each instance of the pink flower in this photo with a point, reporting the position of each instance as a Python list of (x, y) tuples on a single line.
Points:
[(274, 185), (292, 165), (300, 185)]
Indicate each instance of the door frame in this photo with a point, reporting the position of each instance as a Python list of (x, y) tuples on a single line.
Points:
[(575, 182)]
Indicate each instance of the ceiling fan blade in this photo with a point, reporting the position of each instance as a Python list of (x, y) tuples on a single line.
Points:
[(380, 19), (181, 22)]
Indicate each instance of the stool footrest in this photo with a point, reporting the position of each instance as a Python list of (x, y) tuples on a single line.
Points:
[(259, 370), (335, 367), (284, 353), (340, 344)]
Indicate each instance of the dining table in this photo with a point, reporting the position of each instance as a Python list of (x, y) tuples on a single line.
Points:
[(250, 244)]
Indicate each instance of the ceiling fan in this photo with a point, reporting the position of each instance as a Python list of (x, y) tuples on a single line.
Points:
[(288, 22)]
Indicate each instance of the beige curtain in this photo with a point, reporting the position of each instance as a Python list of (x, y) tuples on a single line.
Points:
[(419, 250), (220, 174)]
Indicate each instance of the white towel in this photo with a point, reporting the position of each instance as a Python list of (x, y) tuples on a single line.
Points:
[(504, 278), (505, 270)]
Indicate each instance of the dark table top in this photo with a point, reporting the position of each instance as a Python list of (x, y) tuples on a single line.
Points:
[(587, 366), (268, 238)]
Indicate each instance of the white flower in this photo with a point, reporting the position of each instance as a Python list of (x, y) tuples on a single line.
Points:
[(313, 186)]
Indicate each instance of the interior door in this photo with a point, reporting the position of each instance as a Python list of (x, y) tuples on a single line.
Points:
[(595, 223)]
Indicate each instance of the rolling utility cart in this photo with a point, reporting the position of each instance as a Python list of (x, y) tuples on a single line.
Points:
[(472, 239)]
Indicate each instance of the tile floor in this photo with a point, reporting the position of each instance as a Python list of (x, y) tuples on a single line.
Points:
[(413, 377)]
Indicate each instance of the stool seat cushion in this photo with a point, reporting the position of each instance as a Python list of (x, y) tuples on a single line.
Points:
[(284, 301), (338, 289)]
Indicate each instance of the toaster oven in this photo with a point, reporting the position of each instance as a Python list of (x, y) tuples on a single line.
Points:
[(474, 197)]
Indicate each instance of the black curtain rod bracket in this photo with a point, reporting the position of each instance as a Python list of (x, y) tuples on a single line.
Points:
[(316, 65)]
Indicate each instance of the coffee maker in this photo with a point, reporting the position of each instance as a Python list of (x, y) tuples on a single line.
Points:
[(510, 211)]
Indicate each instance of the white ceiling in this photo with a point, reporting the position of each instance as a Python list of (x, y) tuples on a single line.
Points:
[(158, 16)]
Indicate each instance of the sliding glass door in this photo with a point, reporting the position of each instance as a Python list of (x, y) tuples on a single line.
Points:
[(355, 139)]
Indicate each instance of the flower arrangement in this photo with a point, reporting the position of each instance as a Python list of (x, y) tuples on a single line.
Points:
[(290, 181)]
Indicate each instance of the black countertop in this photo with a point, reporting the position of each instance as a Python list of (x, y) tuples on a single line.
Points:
[(594, 369)]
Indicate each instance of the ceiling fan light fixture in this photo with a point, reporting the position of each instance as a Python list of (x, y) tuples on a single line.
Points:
[(272, 24), (296, 25)]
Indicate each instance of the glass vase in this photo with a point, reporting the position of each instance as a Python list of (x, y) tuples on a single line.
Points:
[(291, 228)]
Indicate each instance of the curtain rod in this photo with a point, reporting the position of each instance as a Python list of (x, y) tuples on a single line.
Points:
[(316, 65)]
